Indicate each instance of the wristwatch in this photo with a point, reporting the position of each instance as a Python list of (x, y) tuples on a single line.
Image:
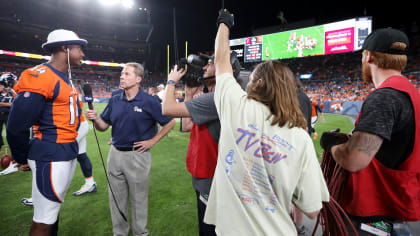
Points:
[(171, 82)]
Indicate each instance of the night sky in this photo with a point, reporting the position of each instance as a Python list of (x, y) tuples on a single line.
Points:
[(196, 19)]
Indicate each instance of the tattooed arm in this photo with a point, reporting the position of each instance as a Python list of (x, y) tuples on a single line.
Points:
[(357, 153)]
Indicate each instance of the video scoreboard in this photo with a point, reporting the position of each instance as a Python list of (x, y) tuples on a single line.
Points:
[(336, 37)]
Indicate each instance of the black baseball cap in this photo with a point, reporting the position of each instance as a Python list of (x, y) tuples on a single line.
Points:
[(381, 40)]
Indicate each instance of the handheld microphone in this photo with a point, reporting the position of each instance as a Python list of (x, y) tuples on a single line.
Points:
[(87, 90)]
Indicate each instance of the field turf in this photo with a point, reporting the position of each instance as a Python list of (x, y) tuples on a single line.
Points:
[(172, 205)]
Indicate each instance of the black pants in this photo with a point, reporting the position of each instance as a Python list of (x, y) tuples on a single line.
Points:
[(85, 164), (203, 228)]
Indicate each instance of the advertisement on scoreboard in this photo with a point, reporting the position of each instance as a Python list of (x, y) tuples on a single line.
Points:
[(339, 41), (363, 29), (237, 45), (253, 48), (339, 36), (239, 49)]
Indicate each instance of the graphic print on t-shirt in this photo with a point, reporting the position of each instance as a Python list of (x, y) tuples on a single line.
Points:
[(255, 181)]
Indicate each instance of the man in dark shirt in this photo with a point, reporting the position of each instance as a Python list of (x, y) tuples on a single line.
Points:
[(306, 108), (388, 113), (383, 152), (304, 104), (132, 114)]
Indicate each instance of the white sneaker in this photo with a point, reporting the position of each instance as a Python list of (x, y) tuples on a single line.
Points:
[(10, 169), (27, 202), (86, 188)]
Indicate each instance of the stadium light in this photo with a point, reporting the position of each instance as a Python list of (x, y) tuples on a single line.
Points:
[(109, 2), (127, 3)]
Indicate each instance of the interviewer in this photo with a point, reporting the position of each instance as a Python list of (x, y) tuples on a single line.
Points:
[(133, 115)]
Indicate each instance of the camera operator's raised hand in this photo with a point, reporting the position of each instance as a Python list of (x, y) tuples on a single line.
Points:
[(169, 105), (176, 74), (221, 45), (226, 18)]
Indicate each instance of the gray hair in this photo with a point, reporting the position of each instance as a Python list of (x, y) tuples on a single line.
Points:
[(138, 69)]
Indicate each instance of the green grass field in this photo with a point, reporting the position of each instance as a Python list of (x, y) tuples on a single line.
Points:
[(172, 205)]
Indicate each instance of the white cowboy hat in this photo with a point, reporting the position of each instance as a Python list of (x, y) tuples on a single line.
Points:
[(63, 37)]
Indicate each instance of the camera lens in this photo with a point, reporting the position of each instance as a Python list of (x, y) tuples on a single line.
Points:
[(195, 60)]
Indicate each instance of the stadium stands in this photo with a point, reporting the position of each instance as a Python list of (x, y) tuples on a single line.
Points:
[(338, 77), (335, 77)]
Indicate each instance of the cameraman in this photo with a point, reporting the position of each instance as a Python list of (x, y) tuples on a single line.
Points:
[(201, 119)]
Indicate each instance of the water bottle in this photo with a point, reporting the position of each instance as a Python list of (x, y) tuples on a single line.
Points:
[(401, 229)]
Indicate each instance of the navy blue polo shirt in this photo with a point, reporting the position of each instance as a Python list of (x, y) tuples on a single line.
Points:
[(133, 120)]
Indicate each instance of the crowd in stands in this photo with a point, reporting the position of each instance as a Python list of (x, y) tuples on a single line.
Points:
[(335, 77), (338, 77), (103, 80)]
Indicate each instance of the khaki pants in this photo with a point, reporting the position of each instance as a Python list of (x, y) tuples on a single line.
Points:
[(128, 174)]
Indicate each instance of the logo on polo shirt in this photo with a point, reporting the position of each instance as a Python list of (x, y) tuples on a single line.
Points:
[(137, 109)]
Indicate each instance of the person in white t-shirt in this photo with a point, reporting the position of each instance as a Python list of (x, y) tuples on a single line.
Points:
[(161, 92), (266, 161)]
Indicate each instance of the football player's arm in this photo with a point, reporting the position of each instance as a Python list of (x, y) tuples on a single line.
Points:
[(5, 104), (24, 113), (357, 153), (318, 109)]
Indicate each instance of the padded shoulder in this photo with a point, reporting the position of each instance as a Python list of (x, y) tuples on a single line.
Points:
[(39, 79)]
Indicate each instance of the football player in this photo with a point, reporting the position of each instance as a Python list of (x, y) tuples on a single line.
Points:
[(47, 101)]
